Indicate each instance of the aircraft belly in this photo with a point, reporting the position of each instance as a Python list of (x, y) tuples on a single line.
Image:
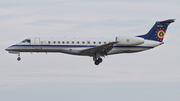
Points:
[(75, 50), (126, 50)]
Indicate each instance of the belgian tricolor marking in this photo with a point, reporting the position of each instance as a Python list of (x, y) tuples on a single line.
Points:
[(160, 34)]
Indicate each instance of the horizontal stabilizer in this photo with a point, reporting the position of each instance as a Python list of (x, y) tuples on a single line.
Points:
[(166, 21)]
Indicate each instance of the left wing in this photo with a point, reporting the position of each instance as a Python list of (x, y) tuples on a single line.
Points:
[(102, 49)]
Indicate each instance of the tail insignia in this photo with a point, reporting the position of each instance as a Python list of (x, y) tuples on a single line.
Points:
[(160, 33)]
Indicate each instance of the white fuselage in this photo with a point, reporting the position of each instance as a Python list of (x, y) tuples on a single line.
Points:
[(74, 45)]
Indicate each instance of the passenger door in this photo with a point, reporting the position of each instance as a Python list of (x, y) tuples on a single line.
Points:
[(37, 43)]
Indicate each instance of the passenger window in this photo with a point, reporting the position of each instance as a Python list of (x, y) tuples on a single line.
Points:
[(104, 42), (99, 42), (54, 42), (88, 42), (58, 42), (67, 42), (94, 42), (83, 42), (49, 42), (63, 42), (72, 42), (78, 42)]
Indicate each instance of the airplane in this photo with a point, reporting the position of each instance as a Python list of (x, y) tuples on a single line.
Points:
[(96, 48)]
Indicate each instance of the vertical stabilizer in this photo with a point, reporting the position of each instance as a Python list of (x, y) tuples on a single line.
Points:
[(158, 31)]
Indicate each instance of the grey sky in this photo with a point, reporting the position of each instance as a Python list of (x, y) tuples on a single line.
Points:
[(149, 75)]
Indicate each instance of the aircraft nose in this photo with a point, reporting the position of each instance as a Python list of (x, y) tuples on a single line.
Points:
[(7, 49)]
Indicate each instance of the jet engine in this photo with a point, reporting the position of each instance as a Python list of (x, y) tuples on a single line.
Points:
[(129, 41)]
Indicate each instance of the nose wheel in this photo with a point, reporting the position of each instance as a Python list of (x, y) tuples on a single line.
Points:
[(19, 58)]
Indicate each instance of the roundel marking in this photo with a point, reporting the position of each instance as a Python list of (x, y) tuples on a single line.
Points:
[(161, 34)]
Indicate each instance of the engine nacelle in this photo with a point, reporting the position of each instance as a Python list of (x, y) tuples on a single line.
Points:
[(128, 41)]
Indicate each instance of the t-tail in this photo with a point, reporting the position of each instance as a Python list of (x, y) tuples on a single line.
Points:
[(158, 31)]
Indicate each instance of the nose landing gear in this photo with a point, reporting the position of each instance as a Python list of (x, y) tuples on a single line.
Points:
[(19, 58)]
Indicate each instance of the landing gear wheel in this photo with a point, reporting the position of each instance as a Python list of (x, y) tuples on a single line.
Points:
[(100, 60), (19, 58), (96, 62)]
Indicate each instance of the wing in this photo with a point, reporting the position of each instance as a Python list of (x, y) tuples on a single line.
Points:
[(102, 49)]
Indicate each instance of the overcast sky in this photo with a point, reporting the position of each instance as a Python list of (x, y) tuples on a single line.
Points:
[(151, 75)]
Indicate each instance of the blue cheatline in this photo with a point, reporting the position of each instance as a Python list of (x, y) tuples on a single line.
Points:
[(82, 46)]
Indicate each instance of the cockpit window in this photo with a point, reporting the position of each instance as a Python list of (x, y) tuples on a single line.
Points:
[(23, 41), (26, 40)]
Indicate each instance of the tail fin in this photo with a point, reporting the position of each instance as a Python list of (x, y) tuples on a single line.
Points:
[(158, 31)]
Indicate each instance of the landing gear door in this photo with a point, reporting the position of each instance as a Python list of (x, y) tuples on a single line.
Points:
[(37, 43)]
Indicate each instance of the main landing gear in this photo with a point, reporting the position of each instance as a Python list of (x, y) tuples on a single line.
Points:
[(98, 61)]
